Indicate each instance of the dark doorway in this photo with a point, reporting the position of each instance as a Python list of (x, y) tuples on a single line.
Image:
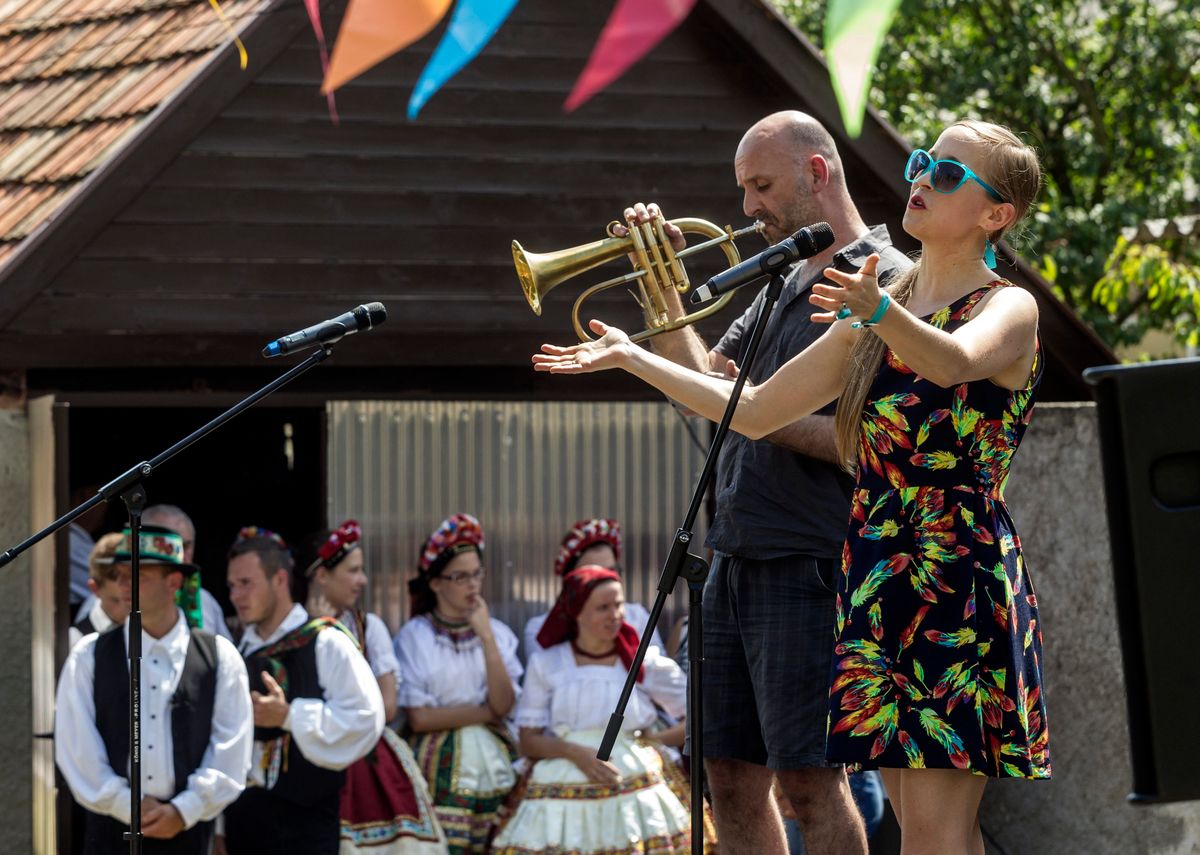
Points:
[(266, 467)]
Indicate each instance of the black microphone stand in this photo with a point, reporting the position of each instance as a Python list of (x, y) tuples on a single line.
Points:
[(128, 486), (694, 570)]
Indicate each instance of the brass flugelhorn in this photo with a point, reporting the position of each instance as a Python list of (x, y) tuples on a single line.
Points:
[(656, 267)]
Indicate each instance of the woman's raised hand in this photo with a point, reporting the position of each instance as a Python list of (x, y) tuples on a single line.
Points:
[(857, 292), (609, 351)]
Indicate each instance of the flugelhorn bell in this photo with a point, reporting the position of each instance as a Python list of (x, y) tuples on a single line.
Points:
[(656, 267)]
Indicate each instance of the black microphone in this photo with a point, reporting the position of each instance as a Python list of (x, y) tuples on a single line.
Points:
[(327, 332), (805, 243)]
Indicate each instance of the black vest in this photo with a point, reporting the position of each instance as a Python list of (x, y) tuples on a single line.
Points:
[(300, 782), (191, 727), (85, 626), (191, 705)]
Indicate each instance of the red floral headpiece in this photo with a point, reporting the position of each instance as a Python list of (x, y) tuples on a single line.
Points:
[(341, 542), (585, 534), (456, 534)]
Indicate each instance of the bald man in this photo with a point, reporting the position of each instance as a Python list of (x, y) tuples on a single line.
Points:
[(782, 507), (174, 518)]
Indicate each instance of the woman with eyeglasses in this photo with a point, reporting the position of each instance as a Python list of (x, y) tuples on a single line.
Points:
[(458, 681), (385, 805), (936, 668)]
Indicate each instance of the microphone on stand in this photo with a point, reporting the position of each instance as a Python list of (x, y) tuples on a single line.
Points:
[(360, 318), (806, 243)]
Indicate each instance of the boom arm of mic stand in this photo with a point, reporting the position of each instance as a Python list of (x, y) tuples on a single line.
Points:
[(136, 474), (695, 570)]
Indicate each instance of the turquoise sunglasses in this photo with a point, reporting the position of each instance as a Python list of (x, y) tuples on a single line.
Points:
[(948, 175)]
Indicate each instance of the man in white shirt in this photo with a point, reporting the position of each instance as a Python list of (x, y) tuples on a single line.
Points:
[(173, 517), (195, 718), (317, 708)]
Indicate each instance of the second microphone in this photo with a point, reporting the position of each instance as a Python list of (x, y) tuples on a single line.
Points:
[(806, 243)]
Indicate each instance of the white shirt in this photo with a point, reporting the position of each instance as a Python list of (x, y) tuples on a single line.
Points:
[(563, 696), (437, 672), (378, 645), (100, 622), (636, 615), (342, 725), (83, 758), (211, 616)]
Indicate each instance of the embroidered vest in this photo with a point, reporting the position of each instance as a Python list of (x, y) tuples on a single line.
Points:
[(292, 662)]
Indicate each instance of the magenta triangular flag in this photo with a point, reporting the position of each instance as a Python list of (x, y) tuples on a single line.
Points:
[(633, 28)]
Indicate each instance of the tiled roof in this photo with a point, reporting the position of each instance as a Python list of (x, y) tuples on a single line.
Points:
[(77, 80)]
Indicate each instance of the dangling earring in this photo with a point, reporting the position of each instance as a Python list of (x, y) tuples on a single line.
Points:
[(989, 254)]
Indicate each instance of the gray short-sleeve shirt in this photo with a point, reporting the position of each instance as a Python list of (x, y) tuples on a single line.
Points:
[(773, 502)]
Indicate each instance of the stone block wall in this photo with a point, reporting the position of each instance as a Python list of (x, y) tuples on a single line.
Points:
[(1056, 495)]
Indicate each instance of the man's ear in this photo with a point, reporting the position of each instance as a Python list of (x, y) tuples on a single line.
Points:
[(819, 169), (177, 576)]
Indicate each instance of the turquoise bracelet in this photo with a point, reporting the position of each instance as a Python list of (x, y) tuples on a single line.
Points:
[(880, 311)]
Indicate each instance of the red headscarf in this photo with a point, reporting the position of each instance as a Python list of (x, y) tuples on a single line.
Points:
[(577, 587)]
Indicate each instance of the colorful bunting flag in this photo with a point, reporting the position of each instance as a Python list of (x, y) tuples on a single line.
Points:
[(854, 31), (373, 30), (633, 28), (313, 7), (472, 26)]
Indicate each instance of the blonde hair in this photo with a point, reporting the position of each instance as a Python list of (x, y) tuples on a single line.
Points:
[(1012, 168), (100, 563)]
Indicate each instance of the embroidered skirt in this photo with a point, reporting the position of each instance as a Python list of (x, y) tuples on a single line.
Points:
[(470, 774), (559, 810), (385, 804)]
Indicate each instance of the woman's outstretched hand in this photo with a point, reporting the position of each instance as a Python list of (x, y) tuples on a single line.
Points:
[(609, 351), (858, 292)]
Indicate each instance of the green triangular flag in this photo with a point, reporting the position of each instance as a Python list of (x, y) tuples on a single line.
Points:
[(854, 31)]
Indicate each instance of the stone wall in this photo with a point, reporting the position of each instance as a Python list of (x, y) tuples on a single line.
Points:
[(1056, 495), (16, 711)]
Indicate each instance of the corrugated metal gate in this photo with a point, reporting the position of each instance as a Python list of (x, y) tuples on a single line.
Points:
[(528, 470)]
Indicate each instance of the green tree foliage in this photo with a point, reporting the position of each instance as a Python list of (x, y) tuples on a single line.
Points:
[(1108, 92)]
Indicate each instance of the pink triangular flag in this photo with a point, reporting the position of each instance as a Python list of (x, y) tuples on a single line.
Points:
[(633, 28), (373, 30), (313, 8)]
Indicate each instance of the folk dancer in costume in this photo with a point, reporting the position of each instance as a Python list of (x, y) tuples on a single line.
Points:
[(596, 542), (570, 801), (936, 668), (385, 804), (195, 717), (173, 517), (458, 682), (109, 584), (317, 708)]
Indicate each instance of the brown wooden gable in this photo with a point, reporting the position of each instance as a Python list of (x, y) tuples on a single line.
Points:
[(245, 213)]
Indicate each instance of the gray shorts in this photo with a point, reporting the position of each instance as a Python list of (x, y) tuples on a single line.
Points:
[(768, 640)]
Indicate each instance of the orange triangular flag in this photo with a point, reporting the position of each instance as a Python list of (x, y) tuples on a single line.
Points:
[(373, 30)]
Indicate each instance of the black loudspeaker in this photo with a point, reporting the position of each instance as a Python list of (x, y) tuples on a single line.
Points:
[(1150, 442)]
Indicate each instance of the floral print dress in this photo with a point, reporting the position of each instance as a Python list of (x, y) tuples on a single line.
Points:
[(937, 657)]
